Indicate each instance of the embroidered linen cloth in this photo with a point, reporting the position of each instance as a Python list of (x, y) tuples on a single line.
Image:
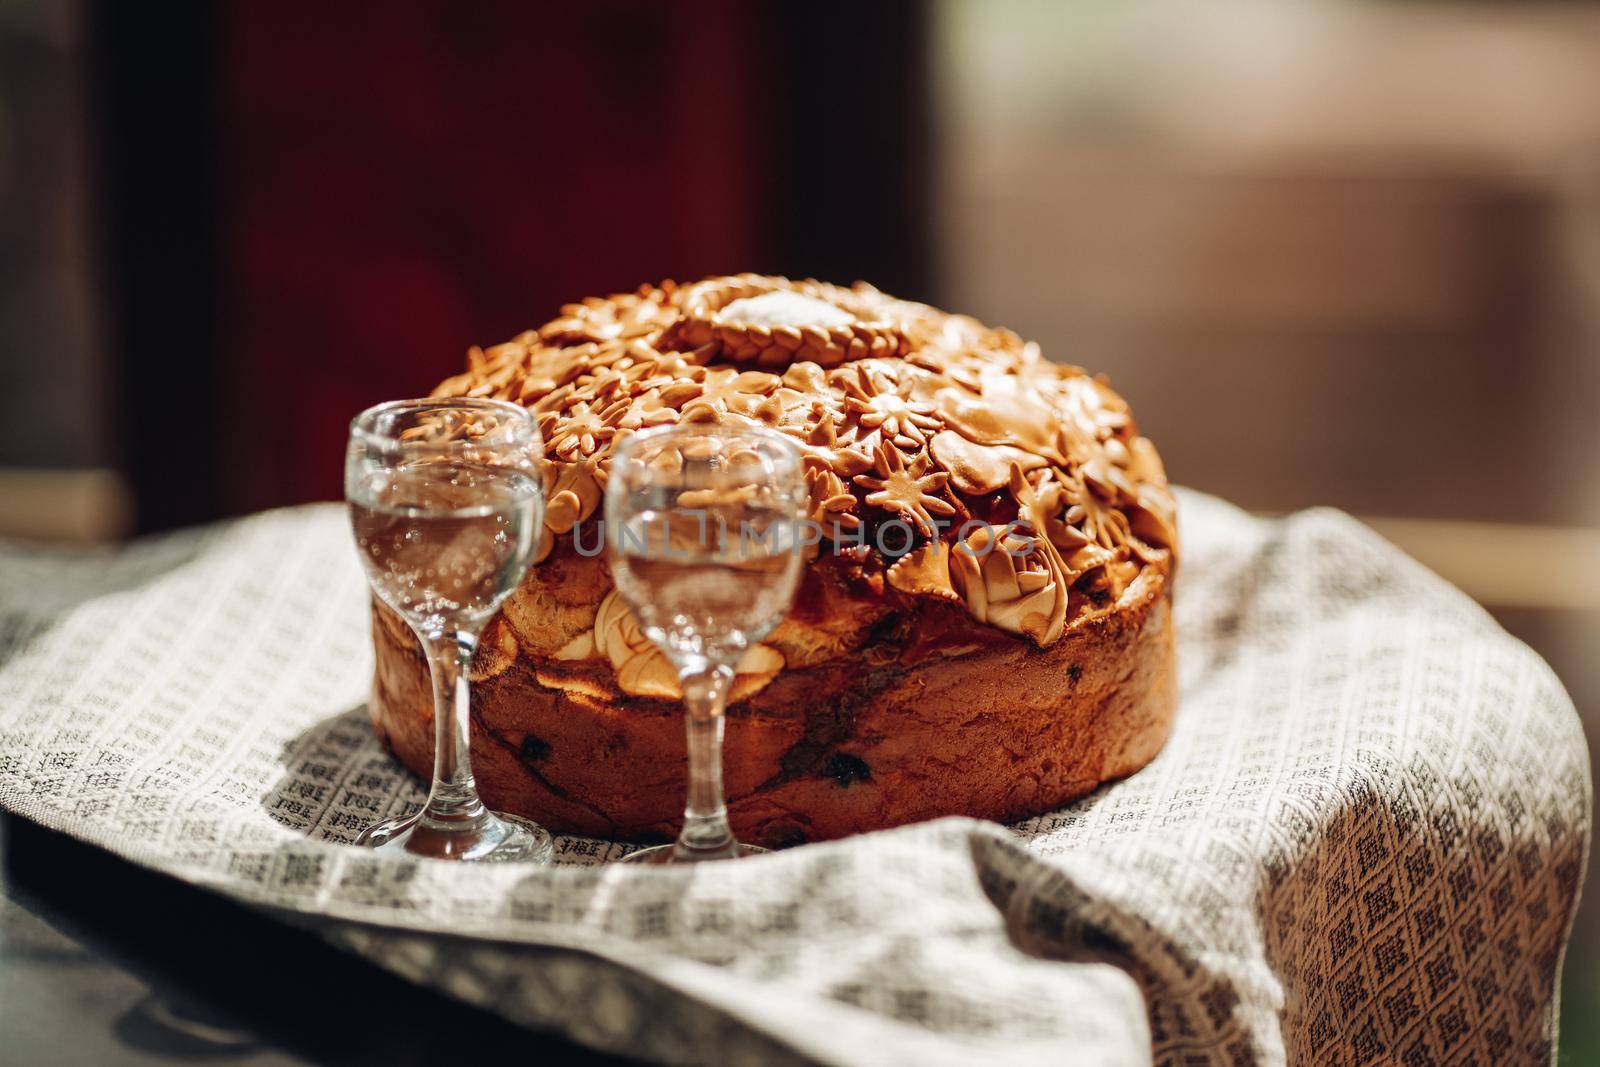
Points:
[(1363, 843)]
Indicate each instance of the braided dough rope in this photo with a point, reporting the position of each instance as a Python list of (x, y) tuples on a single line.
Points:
[(770, 347)]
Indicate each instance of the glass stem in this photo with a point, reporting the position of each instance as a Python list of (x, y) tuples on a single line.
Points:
[(706, 833), (453, 800)]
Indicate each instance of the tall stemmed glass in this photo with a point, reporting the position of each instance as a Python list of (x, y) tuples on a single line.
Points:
[(446, 500), (703, 523)]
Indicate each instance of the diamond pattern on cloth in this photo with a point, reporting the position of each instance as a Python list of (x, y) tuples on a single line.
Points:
[(1363, 844)]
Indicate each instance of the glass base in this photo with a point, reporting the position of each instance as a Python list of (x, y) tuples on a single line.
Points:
[(665, 855), (493, 837)]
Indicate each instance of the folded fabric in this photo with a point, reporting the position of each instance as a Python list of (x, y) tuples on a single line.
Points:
[(1363, 842)]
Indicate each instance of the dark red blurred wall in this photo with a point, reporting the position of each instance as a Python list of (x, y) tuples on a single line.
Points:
[(394, 188)]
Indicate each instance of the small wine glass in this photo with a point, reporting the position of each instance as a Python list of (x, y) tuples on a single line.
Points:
[(703, 524), (446, 501)]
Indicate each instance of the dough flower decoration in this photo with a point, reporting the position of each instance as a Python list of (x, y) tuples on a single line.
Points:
[(558, 376), (858, 456), (644, 312), (908, 490), (1013, 581), (639, 412), (1145, 497), (668, 371), (496, 372), (837, 442), (1089, 509), (1153, 517), (787, 410), (832, 504), (1013, 577), (726, 391), (573, 496), (874, 398), (580, 430), (642, 670)]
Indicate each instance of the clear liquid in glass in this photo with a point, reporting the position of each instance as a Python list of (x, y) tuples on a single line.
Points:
[(707, 595), (445, 543)]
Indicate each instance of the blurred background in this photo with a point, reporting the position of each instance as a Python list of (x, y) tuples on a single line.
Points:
[(1333, 252)]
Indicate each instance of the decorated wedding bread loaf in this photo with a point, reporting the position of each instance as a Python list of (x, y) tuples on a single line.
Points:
[(983, 628)]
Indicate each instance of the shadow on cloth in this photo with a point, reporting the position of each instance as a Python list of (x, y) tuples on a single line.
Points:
[(337, 779)]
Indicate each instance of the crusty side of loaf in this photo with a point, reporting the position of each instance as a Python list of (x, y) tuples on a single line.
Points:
[(896, 732)]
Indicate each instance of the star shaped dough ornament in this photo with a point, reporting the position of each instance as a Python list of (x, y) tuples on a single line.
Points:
[(580, 430), (908, 490)]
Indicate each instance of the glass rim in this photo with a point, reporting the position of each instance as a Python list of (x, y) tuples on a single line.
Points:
[(361, 428), (786, 447)]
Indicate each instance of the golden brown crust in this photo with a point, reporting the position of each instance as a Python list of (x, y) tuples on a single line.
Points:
[(1011, 651)]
